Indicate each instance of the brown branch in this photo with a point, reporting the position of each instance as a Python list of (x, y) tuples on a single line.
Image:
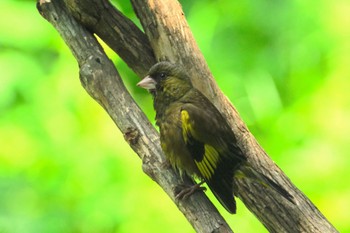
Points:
[(165, 25), (101, 80), (171, 39), (119, 32)]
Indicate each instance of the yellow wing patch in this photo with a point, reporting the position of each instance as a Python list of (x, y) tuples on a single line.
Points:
[(211, 156), (209, 162), (186, 126)]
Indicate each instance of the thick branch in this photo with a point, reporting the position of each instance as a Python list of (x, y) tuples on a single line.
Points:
[(119, 32), (165, 25), (102, 81)]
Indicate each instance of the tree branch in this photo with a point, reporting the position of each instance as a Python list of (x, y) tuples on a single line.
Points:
[(116, 30), (101, 80), (167, 30)]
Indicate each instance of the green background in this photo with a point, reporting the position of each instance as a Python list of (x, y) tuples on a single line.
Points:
[(64, 166)]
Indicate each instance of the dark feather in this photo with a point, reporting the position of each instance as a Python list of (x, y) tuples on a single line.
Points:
[(215, 162)]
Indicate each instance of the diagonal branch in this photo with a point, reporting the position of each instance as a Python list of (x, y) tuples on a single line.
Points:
[(101, 80), (119, 32), (165, 24)]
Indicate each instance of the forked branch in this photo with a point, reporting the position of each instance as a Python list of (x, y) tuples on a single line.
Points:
[(168, 37)]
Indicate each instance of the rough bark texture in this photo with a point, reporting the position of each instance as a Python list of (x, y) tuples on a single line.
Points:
[(168, 37), (101, 80)]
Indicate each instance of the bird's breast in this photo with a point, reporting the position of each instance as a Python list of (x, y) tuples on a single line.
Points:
[(172, 141)]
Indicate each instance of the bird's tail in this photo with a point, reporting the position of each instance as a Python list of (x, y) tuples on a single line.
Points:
[(245, 171)]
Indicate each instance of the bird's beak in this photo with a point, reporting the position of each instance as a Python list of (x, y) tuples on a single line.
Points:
[(147, 83)]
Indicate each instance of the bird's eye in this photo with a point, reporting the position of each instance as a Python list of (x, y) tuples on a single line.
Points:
[(162, 75)]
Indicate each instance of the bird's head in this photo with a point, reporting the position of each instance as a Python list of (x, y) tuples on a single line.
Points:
[(167, 79)]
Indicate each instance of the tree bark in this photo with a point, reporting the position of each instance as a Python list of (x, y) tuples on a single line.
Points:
[(101, 80), (168, 37)]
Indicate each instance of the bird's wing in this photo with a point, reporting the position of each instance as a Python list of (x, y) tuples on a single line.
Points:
[(213, 148)]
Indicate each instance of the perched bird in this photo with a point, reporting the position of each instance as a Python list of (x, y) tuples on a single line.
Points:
[(195, 137)]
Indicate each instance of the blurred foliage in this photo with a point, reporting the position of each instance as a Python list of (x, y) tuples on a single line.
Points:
[(64, 166)]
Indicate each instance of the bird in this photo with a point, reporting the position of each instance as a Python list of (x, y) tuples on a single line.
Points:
[(195, 137)]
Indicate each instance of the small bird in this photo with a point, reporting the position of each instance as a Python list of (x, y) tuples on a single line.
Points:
[(195, 137)]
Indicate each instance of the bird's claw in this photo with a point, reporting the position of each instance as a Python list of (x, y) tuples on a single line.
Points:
[(185, 191)]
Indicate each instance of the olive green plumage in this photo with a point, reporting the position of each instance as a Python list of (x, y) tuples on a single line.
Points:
[(195, 137)]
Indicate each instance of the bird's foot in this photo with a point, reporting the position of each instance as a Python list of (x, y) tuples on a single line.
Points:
[(183, 191)]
